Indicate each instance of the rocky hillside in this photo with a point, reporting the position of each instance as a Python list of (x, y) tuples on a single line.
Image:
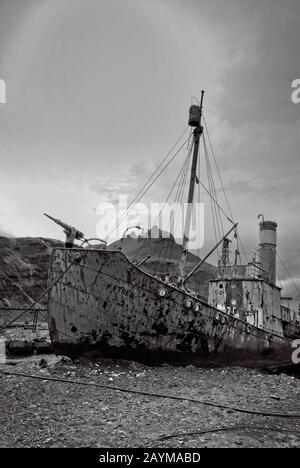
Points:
[(24, 265), (23, 269), (164, 258)]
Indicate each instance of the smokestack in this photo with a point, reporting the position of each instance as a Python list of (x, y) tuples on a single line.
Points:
[(267, 249)]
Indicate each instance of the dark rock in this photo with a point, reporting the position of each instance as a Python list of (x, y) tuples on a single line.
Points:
[(20, 348), (43, 347), (43, 363)]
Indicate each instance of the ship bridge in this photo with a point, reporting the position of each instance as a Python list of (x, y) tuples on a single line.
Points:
[(249, 271), (249, 292)]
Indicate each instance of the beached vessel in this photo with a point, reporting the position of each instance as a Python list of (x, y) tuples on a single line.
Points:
[(100, 300)]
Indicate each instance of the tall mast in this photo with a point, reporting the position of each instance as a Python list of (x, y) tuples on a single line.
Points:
[(194, 121)]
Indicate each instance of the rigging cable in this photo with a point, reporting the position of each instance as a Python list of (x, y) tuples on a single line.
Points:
[(219, 174), (208, 192), (287, 272), (212, 205), (221, 182), (166, 201), (170, 244), (146, 186), (213, 189), (178, 196), (174, 185), (243, 248)]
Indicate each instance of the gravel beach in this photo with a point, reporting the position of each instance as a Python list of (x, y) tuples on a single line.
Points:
[(46, 413)]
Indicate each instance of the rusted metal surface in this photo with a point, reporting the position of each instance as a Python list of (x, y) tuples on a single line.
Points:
[(252, 300), (105, 302)]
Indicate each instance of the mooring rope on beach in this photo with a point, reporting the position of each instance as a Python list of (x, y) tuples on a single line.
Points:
[(213, 430), (154, 394)]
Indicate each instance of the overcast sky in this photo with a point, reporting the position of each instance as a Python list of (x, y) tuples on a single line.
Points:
[(99, 90)]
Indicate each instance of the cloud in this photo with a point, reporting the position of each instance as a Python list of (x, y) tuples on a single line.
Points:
[(4, 232), (90, 115)]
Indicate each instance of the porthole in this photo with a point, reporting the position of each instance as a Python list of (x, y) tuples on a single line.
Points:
[(217, 317), (162, 292)]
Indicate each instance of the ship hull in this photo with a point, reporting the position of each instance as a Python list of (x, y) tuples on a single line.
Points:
[(101, 302)]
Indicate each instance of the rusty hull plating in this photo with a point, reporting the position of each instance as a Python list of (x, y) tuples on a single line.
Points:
[(106, 303)]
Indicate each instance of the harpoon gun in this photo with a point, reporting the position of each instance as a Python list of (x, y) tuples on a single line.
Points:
[(71, 232)]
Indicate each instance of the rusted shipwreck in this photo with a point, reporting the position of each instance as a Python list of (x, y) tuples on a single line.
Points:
[(102, 301)]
